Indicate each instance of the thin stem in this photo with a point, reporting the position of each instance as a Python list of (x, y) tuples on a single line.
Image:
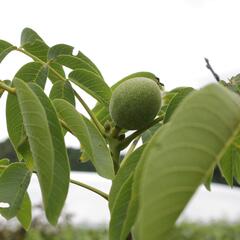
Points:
[(84, 185), (7, 88), (65, 125), (97, 123), (81, 184), (95, 120), (30, 55), (114, 142), (131, 137), (116, 158)]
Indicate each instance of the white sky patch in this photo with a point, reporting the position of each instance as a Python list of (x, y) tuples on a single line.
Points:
[(169, 38)]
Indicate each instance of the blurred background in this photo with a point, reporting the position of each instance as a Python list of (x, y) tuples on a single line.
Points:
[(169, 38)]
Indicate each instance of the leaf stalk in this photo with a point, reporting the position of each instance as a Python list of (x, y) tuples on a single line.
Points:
[(5, 87), (95, 190)]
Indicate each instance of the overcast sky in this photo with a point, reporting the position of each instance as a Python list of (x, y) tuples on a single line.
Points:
[(169, 38)]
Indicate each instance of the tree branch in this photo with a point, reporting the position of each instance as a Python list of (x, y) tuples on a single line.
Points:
[(208, 66)]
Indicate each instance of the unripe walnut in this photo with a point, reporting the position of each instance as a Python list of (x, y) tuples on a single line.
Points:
[(135, 103)]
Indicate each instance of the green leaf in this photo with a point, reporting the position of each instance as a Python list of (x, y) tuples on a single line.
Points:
[(168, 96), (14, 181), (86, 59), (229, 164), (92, 84), (62, 90), (133, 205), (59, 49), (14, 122), (90, 138), (166, 99), (62, 54), (180, 158), (53, 68), (101, 111), (61, 168), (39, 136), (146, 136), (73, 62), (119, 211), (124, 172), (24, 149), (236, 167), (226, 164), (34, 44), (120, 195), (208, 180), (33, 72), (29, 36), (24, 214), (83, 156), (175, 102), (5, 49), (16, 131)]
